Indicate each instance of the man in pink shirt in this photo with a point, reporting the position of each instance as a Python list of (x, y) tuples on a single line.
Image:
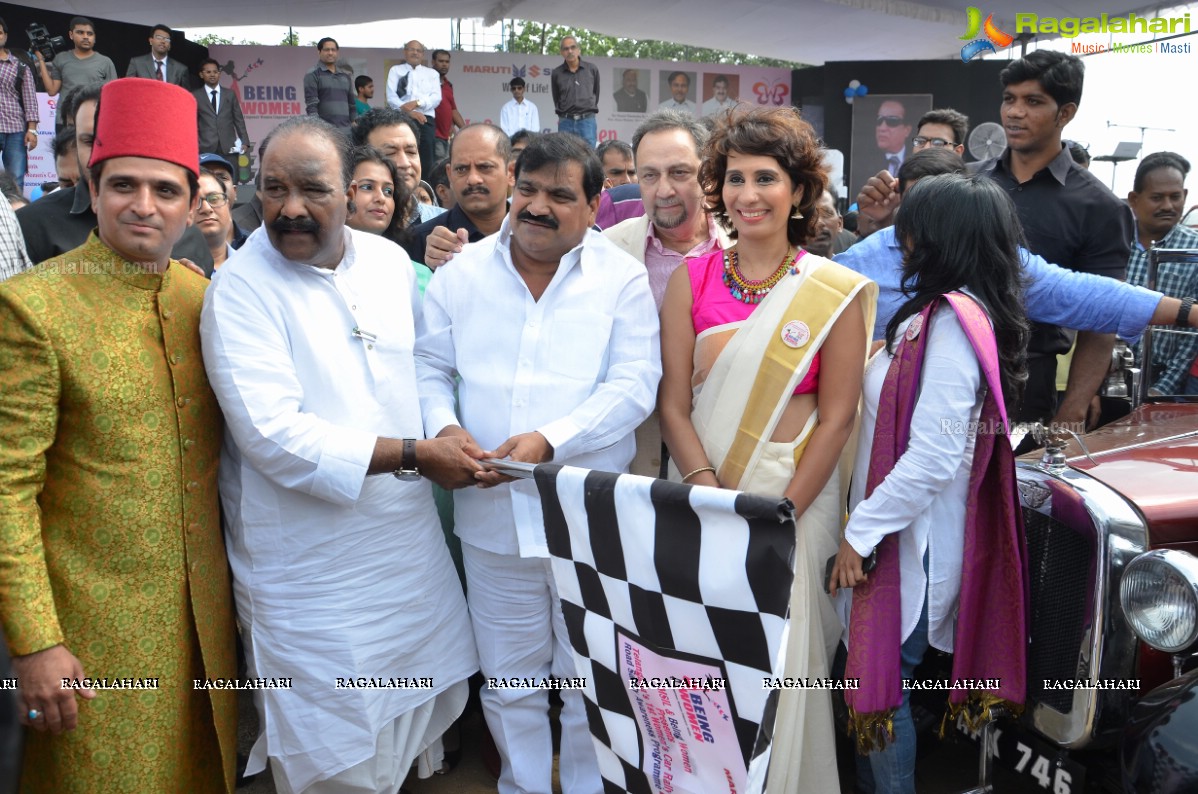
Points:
[(666, 148)]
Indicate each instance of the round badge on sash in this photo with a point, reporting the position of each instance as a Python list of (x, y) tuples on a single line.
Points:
[(915, 327), (795, 333)]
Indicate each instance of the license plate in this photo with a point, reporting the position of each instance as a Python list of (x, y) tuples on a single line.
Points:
[(1044, 767)]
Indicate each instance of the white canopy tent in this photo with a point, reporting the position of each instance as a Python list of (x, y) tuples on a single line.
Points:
[(807, 31)]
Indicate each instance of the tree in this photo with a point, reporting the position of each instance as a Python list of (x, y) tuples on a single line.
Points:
[(209, 39), (538, 38)]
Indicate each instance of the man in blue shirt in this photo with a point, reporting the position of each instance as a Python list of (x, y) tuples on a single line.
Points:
[(1053, 294)]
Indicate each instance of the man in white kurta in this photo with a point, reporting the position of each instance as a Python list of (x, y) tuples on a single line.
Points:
[(342, 580), (554, 335)]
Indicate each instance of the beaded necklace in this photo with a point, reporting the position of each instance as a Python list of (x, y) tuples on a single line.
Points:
[(754, 292)]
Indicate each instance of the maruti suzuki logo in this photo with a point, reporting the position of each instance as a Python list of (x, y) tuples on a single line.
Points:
[(977, 46)]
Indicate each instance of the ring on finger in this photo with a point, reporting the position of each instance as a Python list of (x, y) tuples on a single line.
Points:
[(34, 714)]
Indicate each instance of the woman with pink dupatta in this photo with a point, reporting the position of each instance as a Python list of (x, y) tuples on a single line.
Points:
[(763, 346), (934, 481)]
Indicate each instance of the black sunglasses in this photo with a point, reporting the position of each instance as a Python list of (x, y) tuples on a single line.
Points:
[(891, 121)]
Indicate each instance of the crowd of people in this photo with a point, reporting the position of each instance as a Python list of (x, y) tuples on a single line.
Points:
[(222, 421)]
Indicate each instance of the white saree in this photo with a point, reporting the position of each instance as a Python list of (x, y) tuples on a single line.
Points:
[(745, 375)]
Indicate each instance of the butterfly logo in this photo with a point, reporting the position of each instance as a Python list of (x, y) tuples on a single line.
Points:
[(773, 93), (519, 71), (976, 46)]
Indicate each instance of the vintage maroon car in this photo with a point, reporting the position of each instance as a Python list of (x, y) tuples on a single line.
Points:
[(1112, 539), (1111, 534)]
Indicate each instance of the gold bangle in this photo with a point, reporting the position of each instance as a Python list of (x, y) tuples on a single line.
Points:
[(698, 471)]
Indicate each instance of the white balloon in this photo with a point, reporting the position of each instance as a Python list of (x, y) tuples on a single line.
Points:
[(848, 99), (854, 83)]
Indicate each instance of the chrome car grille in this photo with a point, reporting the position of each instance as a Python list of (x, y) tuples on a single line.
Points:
[(1060, 572), (1080, 536)]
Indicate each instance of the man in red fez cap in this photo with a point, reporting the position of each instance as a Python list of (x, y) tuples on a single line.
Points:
[(113, 574), (64, 220)]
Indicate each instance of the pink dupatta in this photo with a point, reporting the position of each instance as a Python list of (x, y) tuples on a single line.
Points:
[(991, 632)]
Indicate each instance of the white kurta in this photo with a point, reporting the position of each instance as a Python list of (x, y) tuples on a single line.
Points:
[(336, 575), (580, 365)]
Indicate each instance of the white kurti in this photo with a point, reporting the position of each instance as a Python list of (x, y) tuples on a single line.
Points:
[(923, 497), (336, 574)]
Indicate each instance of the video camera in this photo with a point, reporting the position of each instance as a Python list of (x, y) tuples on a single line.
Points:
[(41, 40)]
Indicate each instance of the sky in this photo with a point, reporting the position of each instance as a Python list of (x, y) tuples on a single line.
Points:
[(1152, 90)]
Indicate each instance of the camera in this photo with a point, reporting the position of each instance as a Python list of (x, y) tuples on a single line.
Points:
[(41, 40)]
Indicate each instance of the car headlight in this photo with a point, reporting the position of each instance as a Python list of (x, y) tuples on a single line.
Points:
[(1159, 595)]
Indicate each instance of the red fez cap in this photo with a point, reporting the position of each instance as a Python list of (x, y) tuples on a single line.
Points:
[(147, 118)]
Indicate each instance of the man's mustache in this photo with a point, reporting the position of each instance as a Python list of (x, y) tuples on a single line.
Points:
[(479, 189), (544, 220), (282, 224)]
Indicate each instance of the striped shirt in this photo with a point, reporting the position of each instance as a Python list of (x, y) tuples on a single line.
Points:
[(12, 119)]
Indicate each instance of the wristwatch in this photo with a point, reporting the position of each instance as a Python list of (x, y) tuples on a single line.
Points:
[(1183, 313), (407, 470)]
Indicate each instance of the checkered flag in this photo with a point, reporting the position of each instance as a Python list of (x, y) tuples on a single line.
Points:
[(675, 598)]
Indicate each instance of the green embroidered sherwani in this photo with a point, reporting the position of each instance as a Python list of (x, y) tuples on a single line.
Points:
[(110, 539)]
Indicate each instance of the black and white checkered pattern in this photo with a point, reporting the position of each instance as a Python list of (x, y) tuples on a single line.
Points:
[(690, 572)]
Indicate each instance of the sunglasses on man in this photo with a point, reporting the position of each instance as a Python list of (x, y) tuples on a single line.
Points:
[(891, 121)]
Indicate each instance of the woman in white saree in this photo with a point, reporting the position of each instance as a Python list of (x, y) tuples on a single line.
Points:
[(763, 349)]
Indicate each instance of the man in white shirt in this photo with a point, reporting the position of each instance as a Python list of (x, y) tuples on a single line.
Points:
[(519, 113), (343, 583), (553, 333), (680, 87), (720, 100), (416, 88)]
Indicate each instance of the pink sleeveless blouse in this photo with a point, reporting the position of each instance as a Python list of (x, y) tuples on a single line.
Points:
[(712, 305)]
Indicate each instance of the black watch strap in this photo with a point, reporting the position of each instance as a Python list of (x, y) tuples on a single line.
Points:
[(407, 461), (1183, 313)]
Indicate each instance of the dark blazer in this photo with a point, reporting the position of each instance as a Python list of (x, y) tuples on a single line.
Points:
[(219, 130), (143, 66)]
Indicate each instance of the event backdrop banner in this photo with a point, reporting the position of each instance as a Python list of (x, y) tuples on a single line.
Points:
[(269, 81), (675, 598)]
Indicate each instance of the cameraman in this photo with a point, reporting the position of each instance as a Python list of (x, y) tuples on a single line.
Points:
[(18, 111), (77, 67)]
